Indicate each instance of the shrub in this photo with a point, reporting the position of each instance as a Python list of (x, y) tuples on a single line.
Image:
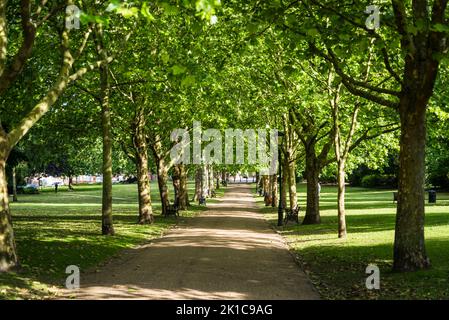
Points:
[(379, 180)]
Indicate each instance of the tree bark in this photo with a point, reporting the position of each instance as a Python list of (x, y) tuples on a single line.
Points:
[(183, 203), (14, 185), (8, 253), (274, 189), (176, 180), (197, 193), (409, 247), (107, 223), (162, 178), (312, 215), (291, 170), (204, 181), (341, 199), (285, 182), (211, 180)]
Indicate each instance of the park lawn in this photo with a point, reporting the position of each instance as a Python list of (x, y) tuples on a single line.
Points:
[(56, 230), (337, 266)]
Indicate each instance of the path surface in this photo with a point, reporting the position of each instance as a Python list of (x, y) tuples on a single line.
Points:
[(229, 252)]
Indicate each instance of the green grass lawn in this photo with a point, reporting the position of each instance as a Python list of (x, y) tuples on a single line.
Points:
[(337, 266), (56, 230)]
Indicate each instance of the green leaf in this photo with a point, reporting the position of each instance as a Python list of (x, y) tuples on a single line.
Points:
[(145, 11), (178, 69), (188, 81)]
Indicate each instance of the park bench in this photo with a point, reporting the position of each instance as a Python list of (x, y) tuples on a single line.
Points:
[(291, 215), (172, 209), (202, 201)]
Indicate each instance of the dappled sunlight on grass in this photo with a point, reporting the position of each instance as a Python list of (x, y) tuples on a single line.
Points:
[(56, 230), (337, 266)]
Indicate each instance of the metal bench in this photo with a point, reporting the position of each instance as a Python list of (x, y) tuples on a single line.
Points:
[(172, 209), (292, 215)]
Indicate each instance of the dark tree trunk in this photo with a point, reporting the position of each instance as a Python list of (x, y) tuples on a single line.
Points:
[(409, 247), (8, 253), (274, 189), (284, 183), (71, 183), (312, 215)]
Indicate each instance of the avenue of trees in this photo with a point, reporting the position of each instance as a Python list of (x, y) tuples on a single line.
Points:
[(104, 97)]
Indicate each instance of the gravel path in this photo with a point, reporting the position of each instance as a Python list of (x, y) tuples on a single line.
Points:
[(228, 252)]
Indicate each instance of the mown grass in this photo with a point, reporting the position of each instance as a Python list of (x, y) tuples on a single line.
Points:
[(337, 266), (56, 230)]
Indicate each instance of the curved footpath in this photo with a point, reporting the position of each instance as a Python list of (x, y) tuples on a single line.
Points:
[(228, 252)]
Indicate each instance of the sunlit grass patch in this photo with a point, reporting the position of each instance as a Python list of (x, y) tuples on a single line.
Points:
[(56, 230), (337, 266)]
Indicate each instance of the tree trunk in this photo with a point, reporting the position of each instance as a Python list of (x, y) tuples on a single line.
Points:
[(312, 215), (409, 247), (107, 224), (284, 183), (183, 196), (8, 253), (176, 180), (71, 183), (143, 180), (144, 189), (204, 181), (292, 185), (162, 177), (197, 194), (14, 185), (274, 189), (341, 199), (211, 180)]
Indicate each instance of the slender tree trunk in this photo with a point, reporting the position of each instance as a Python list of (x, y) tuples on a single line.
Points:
[(183, 190), (211, 180), (107, 224), (143, 180), (341, 199), (14, 185), (197, 194), (409, 247), (292, 185), (176, 180), (274, 189), (223, 176), (162, 178), (70, 183), (204, 181), (312, 215), (285, 184), (8, 253)]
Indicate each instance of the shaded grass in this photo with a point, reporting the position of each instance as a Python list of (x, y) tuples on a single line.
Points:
[(337, 266), (56, 230)]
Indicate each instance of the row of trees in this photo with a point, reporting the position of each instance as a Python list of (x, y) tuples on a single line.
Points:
[(134, 72)]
